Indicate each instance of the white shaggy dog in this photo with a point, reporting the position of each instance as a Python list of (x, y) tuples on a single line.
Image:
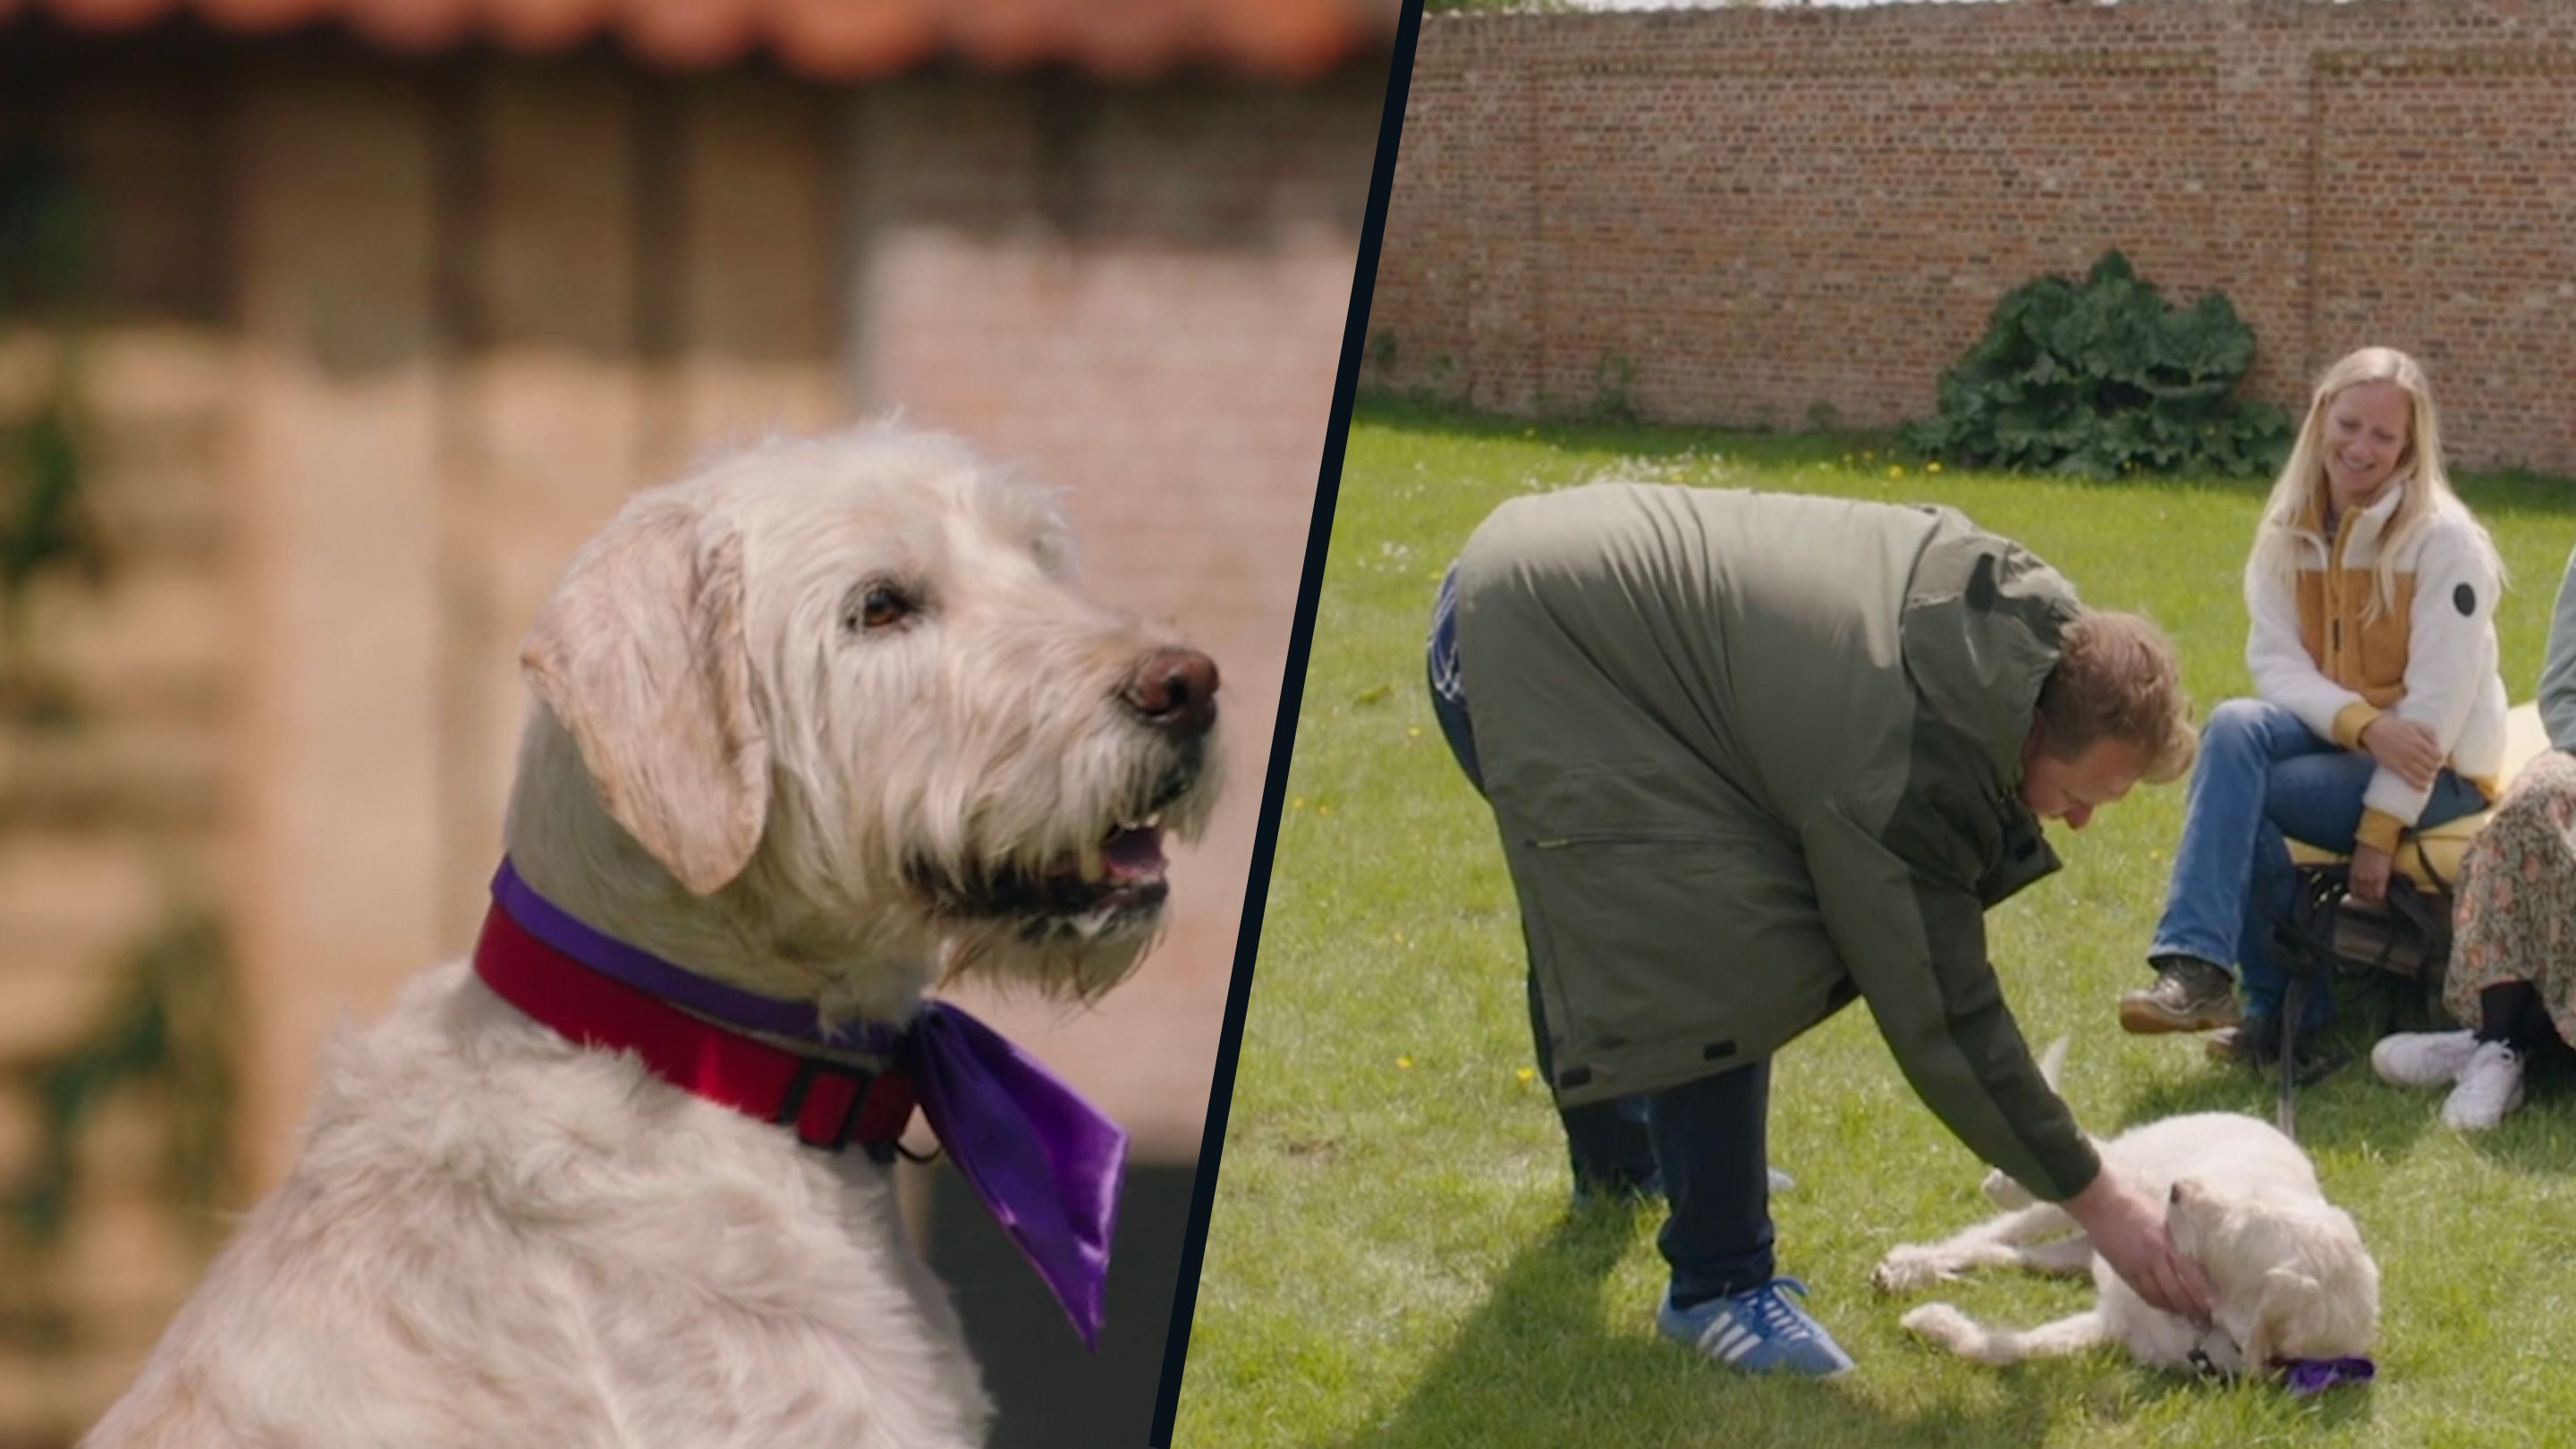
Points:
[(826, 722), (2289, 1278)]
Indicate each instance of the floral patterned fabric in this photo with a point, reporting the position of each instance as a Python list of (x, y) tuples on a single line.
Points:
[(2516, 917)]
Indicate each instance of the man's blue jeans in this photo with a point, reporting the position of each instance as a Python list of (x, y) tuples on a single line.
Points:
[(2263, 780)]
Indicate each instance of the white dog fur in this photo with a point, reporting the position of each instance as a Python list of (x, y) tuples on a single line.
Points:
[(826, 720), (2289, 1277)]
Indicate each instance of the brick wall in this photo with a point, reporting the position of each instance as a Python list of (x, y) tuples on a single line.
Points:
[(1767, 215), (1137, 295)]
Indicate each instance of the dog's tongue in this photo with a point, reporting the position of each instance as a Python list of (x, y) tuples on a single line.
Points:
[(1134, 854)]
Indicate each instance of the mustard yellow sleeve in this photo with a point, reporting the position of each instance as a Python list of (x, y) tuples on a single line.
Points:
[(2379, 830), (2351, 720)]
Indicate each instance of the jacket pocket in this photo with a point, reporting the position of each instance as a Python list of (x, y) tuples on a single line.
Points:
[(1664, 954), (1622, 839)]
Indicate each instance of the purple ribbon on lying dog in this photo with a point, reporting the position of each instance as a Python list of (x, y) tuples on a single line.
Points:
[(1042, 1160), (2310, 1376)]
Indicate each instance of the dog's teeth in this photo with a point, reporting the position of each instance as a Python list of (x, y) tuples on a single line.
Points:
[(1095, 869)]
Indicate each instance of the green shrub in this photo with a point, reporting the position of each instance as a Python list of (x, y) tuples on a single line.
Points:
[(2101, 377)]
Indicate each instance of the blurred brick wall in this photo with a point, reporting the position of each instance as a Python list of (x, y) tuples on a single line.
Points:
[(1138, 295), (116, 800), (1762, 212), (379, 344)]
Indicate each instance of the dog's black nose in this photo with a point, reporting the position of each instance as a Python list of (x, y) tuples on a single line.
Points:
[(1174, 690)]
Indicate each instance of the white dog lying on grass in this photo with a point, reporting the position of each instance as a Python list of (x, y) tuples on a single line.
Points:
[(2291, 1284), (817, 727)]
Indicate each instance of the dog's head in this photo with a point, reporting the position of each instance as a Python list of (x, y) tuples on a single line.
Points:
[(846, 692), (2288, 1279)]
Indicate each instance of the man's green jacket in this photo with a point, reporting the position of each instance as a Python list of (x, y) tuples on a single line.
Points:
[(1753, 755)]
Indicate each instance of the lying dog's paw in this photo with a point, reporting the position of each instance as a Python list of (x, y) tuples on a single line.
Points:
[(2005, 1192), (1940, 1323), (1910, 1268)]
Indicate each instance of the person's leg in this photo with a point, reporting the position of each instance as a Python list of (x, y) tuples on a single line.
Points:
[(2517, 903), (2317, 799), (1725, 1299), (1606, 1143), (2196, 938), (1710, 1137), (2510, 1012), (2514, 1023), (2514, 908)]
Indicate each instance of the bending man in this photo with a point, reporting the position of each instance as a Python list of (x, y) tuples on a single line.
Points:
[(1755, 756)]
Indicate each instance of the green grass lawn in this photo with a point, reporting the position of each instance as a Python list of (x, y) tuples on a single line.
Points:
[(1392, 1263)]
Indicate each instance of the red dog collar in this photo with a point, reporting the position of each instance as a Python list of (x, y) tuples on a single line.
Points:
[(828, 1102)]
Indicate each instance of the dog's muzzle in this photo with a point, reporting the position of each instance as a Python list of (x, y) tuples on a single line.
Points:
[(1115, 883)]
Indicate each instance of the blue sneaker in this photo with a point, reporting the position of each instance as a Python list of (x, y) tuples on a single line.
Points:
[(1759, 1331)]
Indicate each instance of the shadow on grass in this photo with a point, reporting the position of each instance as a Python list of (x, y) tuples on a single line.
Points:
[(1535, 1368)]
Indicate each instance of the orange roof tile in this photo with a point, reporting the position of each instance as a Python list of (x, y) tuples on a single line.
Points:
[(832, 40)]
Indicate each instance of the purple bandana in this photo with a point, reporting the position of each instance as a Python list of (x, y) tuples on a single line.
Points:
[(1044, 1162), (2310, 1376)]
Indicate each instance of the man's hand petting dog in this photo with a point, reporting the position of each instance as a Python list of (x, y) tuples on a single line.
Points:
[(2128, 1230)]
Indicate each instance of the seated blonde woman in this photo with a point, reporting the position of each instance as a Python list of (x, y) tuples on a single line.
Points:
[(2513, 953), (2371, 595)]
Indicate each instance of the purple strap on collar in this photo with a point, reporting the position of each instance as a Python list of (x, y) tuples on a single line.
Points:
[(641, 969), (2308, 1376), (1042, 1160)]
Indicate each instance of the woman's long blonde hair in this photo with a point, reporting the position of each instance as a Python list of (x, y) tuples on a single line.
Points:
[(2297, 507)]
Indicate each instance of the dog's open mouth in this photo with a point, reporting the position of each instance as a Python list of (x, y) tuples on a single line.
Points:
[(1123, 872), (1116, 882)]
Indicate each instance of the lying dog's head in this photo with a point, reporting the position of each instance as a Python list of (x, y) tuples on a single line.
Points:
[(2288, 1279), (845, 693)]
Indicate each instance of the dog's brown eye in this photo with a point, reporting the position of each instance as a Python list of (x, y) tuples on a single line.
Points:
[(881, 606)]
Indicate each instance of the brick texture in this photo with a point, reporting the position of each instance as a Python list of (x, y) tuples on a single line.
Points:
[(1770, 218), (1138, 296)]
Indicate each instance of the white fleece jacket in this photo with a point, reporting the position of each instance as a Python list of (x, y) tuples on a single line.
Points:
[(2314, 649)]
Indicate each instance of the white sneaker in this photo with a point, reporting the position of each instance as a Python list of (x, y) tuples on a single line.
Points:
[(2490, 1086), (2423, 1058)]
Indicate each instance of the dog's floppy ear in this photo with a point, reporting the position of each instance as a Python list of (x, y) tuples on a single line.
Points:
[(2287, 1298), (640, 653)]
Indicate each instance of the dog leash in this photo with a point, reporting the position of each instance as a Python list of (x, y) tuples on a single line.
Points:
[(2294, 1000)]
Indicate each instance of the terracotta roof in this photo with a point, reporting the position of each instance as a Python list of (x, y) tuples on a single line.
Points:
[(833, 40)]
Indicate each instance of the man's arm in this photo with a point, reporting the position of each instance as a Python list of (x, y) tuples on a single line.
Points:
[(1915, 945)]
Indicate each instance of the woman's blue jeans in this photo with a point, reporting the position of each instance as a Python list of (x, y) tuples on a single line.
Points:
[(2264, 780)]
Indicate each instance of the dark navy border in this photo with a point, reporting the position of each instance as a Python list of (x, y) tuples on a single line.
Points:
[(1283, 739)]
